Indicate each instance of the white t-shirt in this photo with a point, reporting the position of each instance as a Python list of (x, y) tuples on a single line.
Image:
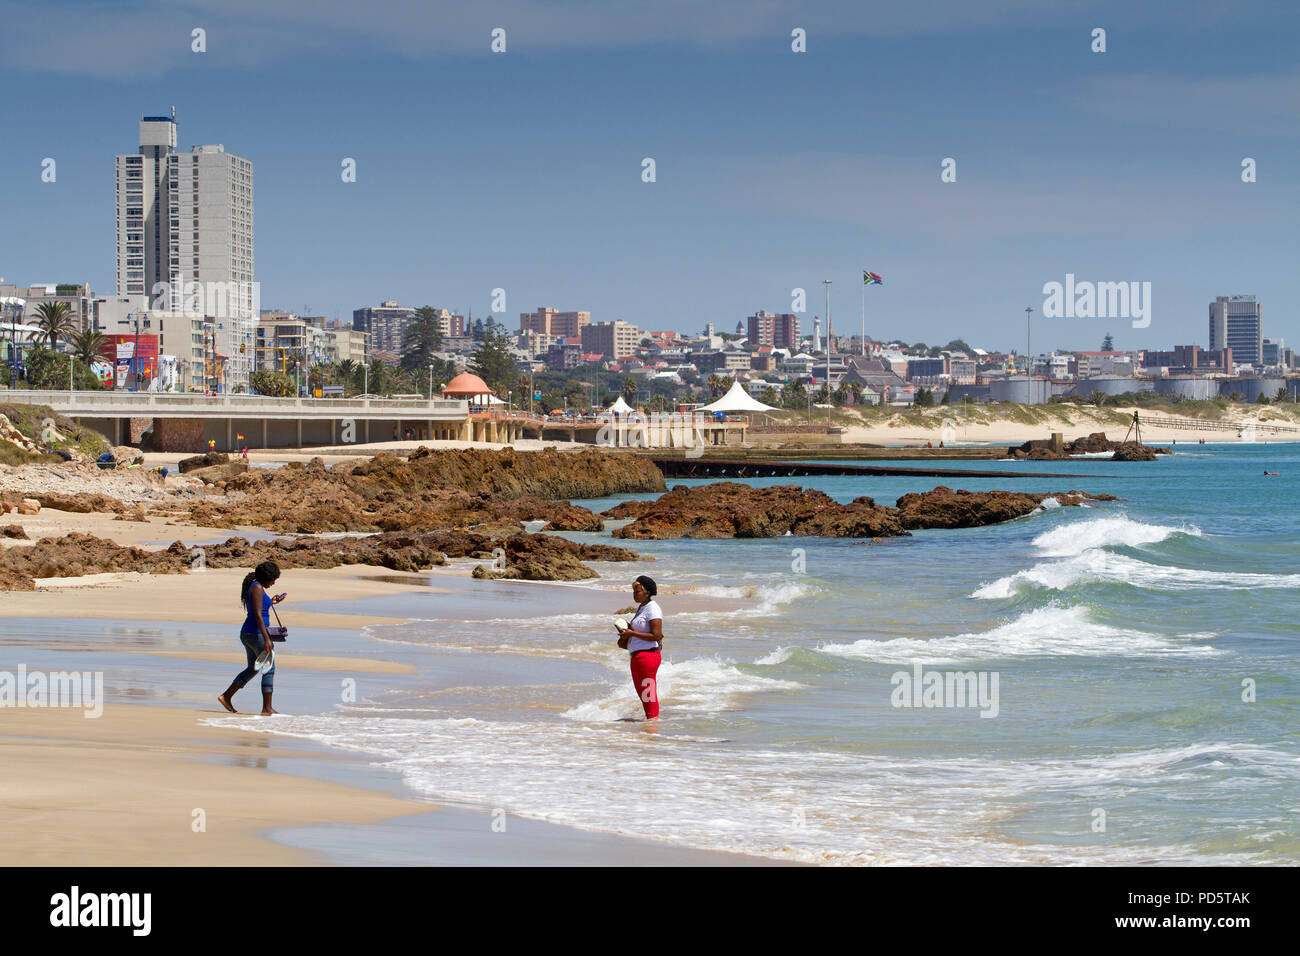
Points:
[(647, 613)]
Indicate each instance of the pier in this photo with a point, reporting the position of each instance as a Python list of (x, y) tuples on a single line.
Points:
[(748, 468)]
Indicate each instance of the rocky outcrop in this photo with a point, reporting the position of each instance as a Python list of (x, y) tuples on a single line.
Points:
[(1133, 451), (730, 509), (1094, 444), (10, 433), (80, 504), (14, 531), (945, 508), (733, 510), (460, 489), (532, 556), (206, 460), (219, 474), (539, 557)]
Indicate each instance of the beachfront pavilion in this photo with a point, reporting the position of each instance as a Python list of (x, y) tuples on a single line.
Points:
[(483, 424)]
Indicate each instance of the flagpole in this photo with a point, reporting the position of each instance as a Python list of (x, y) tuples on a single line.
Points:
[(864, 317)]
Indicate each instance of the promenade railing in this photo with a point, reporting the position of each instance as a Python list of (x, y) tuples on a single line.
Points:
[(86, 402)]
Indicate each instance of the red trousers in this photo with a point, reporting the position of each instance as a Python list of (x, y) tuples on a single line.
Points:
[(645, 668)]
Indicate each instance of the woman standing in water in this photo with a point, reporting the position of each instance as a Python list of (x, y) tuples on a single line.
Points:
[(254, 634), (643, 637)]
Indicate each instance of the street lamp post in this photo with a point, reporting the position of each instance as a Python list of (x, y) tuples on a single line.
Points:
[(15, 307), (431, 383), (830, 342)]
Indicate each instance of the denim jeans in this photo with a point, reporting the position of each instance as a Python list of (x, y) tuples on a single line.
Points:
[(253, 647)]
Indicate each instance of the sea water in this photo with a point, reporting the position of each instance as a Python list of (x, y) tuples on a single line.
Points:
[(1143, 651)]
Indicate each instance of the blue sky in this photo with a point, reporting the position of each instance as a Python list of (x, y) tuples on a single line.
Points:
[(775, 170)]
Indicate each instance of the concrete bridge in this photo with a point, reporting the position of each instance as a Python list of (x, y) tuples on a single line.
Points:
[(190, 421)]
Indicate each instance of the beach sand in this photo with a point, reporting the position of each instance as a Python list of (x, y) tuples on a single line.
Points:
[(1083, 422), (124, 788)]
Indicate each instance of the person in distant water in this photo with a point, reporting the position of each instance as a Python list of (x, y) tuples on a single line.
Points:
[(644, 639), (254, 635)]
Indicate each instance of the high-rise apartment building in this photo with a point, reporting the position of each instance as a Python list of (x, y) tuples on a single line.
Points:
[(185, 240), (779, 331), (385, 325), (1237, 323), (550, 322)]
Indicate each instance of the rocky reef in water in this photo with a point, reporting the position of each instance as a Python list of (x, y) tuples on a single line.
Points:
[(732, 510)]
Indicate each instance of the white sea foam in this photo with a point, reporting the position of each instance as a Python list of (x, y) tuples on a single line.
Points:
[(1043, 632), (763, 599), (812, 806), (1079, 536), (698, 685), (1099, 565)]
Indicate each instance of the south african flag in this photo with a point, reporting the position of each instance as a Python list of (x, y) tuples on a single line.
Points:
[(870, 278)]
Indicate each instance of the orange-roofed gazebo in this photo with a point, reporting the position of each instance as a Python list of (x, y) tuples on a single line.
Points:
[(467, 386)]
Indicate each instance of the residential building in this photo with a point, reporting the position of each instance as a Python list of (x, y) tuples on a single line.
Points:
[(343, 343), (185, 237), (617, 339), (76, 296), (385, 325), (781, 331), (538, 344), (548, 321), (1237, 322), (561, 358), (284, 338)]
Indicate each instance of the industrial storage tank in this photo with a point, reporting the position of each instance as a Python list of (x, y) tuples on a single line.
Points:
[(1110, 385), (1015, 390), (971, 393), (1251, 388), (1199, 388)]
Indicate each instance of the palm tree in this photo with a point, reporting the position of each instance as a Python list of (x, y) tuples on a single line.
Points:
[(1098, 397), (87, 343), (55, 319), (347, 372)]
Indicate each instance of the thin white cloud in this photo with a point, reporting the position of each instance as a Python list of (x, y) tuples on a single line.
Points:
[(1232, 107), (895, 196), (154, 36)]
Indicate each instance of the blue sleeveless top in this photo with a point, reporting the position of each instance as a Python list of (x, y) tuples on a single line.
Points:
[(250, 621)]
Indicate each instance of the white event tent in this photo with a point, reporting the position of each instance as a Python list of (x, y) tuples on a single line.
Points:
[(736, 400)]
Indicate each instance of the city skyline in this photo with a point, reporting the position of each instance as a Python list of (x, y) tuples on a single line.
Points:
[(525, 177)]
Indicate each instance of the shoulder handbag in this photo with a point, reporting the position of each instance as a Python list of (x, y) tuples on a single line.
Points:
[(279, 632)]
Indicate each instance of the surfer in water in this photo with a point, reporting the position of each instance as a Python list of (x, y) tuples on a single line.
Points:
[(643, 638), (254, 634)]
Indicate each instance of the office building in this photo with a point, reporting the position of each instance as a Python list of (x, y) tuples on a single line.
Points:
[(1237, 323)]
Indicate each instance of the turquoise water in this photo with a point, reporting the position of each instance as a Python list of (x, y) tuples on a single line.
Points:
[(1122, 636)]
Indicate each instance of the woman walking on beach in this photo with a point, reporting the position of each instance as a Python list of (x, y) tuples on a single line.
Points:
[(254, 634), (643, 637)]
